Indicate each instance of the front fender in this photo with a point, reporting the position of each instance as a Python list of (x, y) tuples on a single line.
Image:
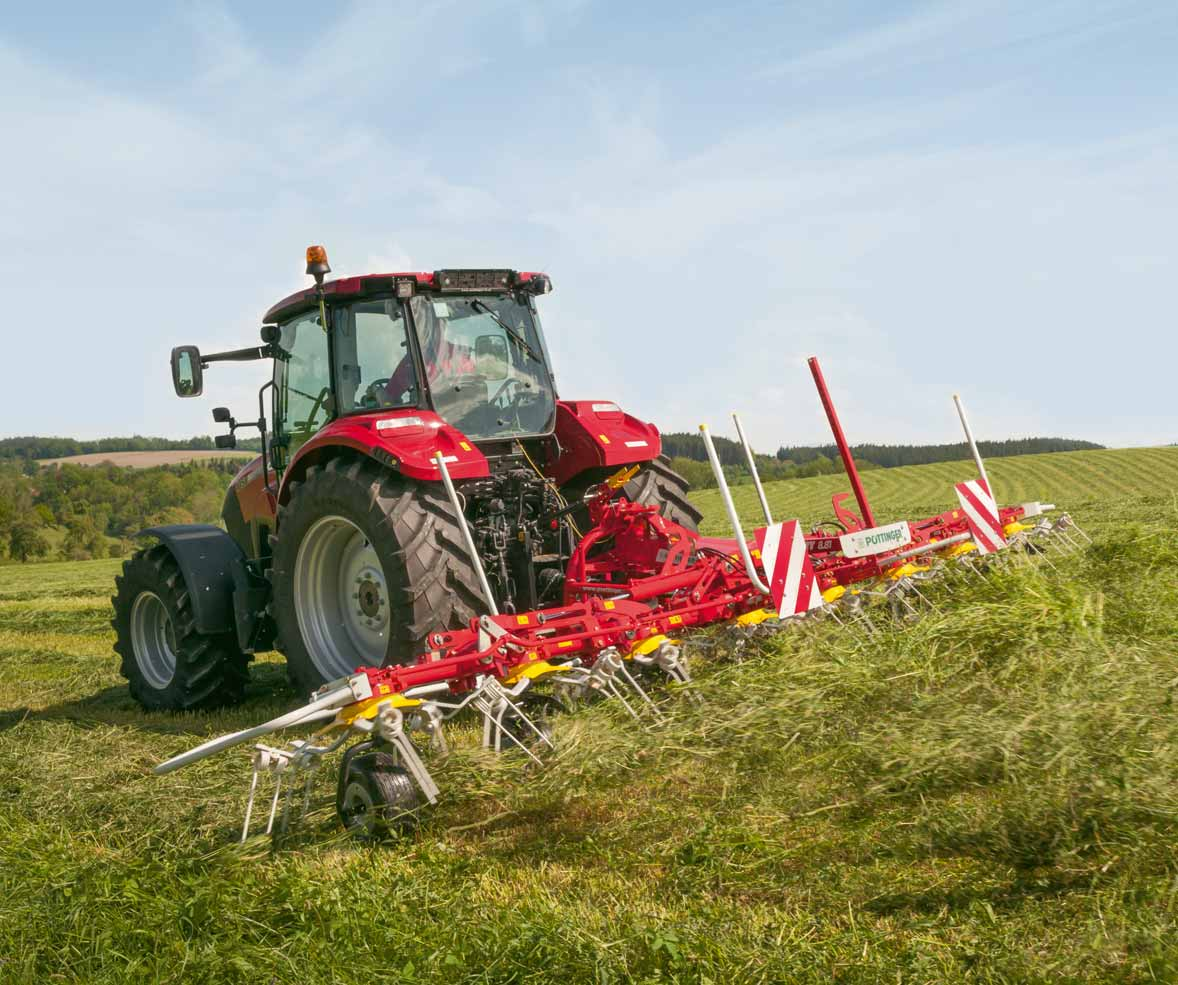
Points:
[(405, 440)]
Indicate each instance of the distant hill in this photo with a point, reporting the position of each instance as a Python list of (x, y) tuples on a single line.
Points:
[(52, 448), (149, 459)]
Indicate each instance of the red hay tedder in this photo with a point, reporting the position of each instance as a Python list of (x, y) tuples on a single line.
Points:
[(430, 531)]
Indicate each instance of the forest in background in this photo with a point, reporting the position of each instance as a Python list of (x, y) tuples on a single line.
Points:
[(74, 512)]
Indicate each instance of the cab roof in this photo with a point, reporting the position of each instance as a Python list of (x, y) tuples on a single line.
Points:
[(465, 281)]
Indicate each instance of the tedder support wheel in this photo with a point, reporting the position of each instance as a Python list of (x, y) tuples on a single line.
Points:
[(657, 484), (376, 797), (168, 664), (366, 565)]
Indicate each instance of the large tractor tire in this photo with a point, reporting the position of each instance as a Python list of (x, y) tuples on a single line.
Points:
[(657, 484), (366, 565), (167, 663)]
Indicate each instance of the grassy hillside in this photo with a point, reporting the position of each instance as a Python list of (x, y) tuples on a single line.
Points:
[(988, 795), (1073, 480)]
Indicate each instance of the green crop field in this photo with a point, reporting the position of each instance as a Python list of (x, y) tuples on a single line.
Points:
[(989, 794)]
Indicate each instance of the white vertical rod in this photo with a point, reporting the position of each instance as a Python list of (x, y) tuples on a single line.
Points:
[(725, 495), (470, 548), (973, 447), (748, 454)]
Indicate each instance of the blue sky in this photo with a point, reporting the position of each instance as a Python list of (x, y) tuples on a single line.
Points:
[(930, 196)]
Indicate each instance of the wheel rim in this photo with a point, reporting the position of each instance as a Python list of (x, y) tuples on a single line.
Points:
[(359, 811), (341, 598), (153, 640)]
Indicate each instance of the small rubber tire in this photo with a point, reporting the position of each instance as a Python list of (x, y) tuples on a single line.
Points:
[(378, 798), (429, 579), (209, 669)]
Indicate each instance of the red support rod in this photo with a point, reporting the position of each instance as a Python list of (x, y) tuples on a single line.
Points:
[(841, 440)]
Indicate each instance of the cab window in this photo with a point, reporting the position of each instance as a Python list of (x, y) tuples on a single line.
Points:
[(374, 365), (302, 383)]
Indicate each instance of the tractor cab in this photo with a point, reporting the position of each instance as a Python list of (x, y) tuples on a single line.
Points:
[(463, 344)]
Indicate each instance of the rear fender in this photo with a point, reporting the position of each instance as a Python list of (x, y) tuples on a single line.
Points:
[(599, 434), (402, 440)]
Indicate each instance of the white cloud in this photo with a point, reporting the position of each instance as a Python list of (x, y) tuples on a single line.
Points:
[(694, 272)]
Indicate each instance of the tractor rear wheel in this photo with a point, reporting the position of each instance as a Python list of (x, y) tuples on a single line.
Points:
[(366, 565), (168, 664), (657, 484)]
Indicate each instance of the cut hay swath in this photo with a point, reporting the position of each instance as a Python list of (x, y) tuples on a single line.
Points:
[(637, 583)]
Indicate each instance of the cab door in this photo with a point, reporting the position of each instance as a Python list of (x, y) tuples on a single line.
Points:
[(303, 398)]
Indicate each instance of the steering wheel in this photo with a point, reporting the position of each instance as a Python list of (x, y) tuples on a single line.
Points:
[(315, 407), (369, 397), (503, 387)]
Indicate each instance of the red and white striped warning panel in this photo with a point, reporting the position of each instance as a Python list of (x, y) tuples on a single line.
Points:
[(792, 584), (981, 512)]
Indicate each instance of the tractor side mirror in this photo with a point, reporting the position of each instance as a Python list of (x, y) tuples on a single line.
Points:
[(490, 356), (225, 440), (222, 416), (187, 375)]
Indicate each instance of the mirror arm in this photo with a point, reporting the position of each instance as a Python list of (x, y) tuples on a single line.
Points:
[(237, 355)]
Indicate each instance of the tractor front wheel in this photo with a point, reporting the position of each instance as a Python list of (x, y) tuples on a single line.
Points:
[(366, 565), (168, 664)]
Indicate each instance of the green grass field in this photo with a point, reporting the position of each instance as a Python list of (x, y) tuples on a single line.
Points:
[(990, 794)]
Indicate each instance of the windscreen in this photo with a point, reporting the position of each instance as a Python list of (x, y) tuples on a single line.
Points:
[(484, 364)]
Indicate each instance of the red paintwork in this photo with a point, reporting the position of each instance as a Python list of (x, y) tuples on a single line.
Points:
[(354, 285), (253, 496), (657, 578), (411, 449), (841, 440), (602, 438)]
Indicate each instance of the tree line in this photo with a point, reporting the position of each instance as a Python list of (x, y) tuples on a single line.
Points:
[(690, 459), (74, 512)]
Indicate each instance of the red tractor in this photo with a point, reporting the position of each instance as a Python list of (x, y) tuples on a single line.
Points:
[(341, 548)]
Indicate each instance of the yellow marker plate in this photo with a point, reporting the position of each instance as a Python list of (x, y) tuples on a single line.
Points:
[(648, 645), (532, 670), (370, 707), (756, 617)]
